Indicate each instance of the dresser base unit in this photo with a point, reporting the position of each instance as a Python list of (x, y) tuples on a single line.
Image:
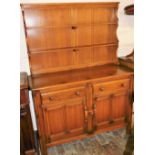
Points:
[(75, 104)]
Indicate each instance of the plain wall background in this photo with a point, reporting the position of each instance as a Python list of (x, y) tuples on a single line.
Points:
[(125, 34)]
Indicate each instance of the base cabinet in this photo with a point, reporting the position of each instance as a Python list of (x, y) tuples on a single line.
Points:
[(65, 114)]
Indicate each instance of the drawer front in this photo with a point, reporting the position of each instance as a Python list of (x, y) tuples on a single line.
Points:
[(111, 86), (60, 96)]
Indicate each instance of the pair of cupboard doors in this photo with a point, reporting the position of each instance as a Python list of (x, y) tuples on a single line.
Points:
[(84, 109)]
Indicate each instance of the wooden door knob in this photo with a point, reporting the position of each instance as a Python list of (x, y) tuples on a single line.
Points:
[(101, 88), (51, 98), (74, 27), (75, 50), (77, 93)]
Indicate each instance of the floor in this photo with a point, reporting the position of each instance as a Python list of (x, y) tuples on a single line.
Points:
[(108, 143)]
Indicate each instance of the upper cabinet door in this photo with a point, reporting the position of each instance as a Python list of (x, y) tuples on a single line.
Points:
[(82, 20), (48, 28), (51, 60), (49, 38), (58, 17)]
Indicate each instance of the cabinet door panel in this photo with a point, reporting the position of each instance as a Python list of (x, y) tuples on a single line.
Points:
[(103, 110), (54, 117), (75, 116), (47, 17), (50, 38), (104, 15), (104, 34), (51, 60), (120, 106), (64, 119), (105, 54)]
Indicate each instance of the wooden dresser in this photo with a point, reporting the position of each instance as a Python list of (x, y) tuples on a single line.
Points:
[(78, 88)]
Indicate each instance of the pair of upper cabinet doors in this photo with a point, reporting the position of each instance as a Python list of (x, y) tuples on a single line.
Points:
[(53, 28)]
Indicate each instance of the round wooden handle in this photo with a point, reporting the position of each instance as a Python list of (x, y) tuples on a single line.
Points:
[(77, 93), (101, 88), (51, 98), (122, 84), (74, 27), (75, 50)]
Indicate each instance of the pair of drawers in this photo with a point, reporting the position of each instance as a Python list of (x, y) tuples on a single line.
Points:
[(80, 92)]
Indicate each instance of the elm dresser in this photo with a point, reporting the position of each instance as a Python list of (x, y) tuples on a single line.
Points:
[(78, 87)]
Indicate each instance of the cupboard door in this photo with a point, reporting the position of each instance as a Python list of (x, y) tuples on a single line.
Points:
[(54, 122), (120, 106), (102, 109), (47, 17), (104, 34), (47, 61), (49, 38), (75, 117), (64, 119), (105, 54)]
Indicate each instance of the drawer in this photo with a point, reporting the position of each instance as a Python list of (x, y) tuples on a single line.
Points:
[(111, 86), (52, 97)]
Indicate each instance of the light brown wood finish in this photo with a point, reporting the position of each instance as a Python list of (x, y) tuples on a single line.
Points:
[(84, 26), (78, 88)]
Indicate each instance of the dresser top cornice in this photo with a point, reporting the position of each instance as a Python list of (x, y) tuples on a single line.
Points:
[(47, 5)]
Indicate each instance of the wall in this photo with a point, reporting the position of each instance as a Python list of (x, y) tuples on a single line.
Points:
[(125, 35)]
